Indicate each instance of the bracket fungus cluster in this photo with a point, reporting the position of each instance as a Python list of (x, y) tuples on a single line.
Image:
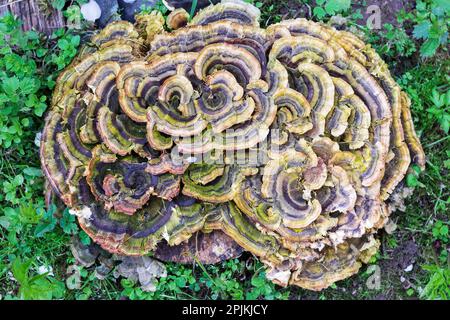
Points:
[(291, 140)]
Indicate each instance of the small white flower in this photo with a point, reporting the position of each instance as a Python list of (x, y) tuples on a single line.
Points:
[(409, 268), (45, 269), (37, 139)]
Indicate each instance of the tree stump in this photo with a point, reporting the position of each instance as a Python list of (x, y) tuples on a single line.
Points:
[(32, 16)]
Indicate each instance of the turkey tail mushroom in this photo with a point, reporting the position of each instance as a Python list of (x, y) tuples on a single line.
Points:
[(293, 140)]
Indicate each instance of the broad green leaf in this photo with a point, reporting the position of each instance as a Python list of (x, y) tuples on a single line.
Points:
[(58, 4), (10, 85), (421, 30), (18, 180), (20, 270), (63, 44), (444, 4), (75, 40), (319, 12), (33, 172), (40, 109), (336, 6), (4, 222), (67, 223), (428, 48)]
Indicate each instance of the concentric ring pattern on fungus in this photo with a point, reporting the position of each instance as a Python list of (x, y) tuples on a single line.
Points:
[(292, 140)]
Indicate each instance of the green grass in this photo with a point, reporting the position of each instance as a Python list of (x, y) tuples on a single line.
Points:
[(34, 243)]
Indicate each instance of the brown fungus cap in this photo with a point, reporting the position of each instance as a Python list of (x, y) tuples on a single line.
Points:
[(148, 127)]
